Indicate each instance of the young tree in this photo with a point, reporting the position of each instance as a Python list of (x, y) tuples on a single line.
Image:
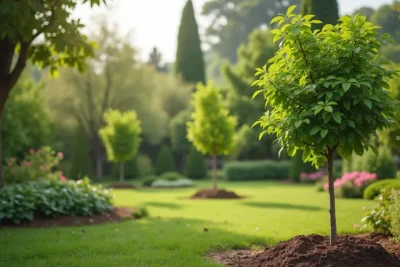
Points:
[(189, 56), (121, 137), (63, 44), (327, 91), (212, 129)]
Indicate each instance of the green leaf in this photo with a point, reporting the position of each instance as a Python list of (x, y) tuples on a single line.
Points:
[(337, 117), (290, 10), (306, 121), (276, 19), (367, 84), (357, 50), (328, 109), (347, 104), (324, 132), (306, 155), (358, 148), (346, 151), (315, 130), (318, 110), (261, 135), (374, 149), (280, 151), (368, 103), (351, 124), (256, 93), (346, 86), (298, 123)]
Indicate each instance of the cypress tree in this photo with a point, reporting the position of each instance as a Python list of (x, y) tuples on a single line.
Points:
[(80, 165), (189, 56), (326, 11)]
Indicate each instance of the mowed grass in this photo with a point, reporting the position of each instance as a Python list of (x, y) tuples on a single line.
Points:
[(181, 231)]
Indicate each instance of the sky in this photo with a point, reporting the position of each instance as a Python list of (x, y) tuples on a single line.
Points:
[(155, 22)]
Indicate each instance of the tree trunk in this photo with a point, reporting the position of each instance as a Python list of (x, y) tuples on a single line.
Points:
[(121, 172), (1, 150), (332, 210), (98, 157), (214, 171)]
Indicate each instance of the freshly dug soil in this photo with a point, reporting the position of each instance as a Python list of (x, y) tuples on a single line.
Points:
[(387, 242), (215, 193), (313, 251), (121, 185), (115, 215)]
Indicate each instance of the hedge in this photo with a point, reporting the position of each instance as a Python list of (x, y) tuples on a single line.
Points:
[(374, 189), (257, 170)]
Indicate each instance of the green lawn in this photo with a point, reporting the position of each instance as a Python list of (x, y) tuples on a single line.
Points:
[(174, 234)]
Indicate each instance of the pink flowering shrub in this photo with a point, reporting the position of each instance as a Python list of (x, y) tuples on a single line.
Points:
[(352, 185), (36, 165), (311, 177)]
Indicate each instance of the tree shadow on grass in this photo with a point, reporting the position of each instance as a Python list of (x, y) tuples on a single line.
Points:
[(277, 205), (164, 205)]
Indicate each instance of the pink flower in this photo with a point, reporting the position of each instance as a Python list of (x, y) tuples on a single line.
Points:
[(303, 176), (326, 186), (9, 163), (356, 226), (31, 151), (63, 178), (27, 164), (39, 151), (60, 155)]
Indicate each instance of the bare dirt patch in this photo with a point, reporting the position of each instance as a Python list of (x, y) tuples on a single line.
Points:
[(215, 194), (121, 185)]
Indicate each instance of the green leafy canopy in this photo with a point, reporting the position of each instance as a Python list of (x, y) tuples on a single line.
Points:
[(212, 128), (121, 135), (327, 88)]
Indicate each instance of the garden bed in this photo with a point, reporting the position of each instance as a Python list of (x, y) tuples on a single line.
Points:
[(215, 194), (366, 250), (115, 215)]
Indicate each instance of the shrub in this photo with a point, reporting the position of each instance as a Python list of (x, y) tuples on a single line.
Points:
[(257, 170), (36, 165), (140, 166), (298, 166), (398, 175), (352, 185), (394, 210), (374, 189), (164, 161), (140, 213), (195, 167), (379, 217), (149, 180), (51, 199), (311, 177), (184, 182), (171, 176)]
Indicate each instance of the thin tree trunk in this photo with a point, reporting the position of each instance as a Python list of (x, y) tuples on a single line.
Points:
[(1, 150), (121, 172), (214, 171), (98, 157), (332, 210)]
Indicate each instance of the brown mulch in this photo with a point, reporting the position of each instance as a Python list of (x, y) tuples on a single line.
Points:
[(313, 251), (121, 185), (115, 215), (215, 193)]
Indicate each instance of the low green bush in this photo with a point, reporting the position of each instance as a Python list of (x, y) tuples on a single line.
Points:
[(184, 182), (171, 176), (140, 213), (379, 217), (394, 209), (51, 199), (165, 161), (374, 189), (257, 170), (195, 167), (149, 180)]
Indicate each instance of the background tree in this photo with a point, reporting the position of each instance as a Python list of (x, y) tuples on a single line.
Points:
[(195, 167), (155, 59), (212, 129), (326, 11), (121, 137), (63, 43), (27, 123), (165, 161), (322, 101), (231, 22), (189, 56), (81, 165), (364, 11), (389, 19)]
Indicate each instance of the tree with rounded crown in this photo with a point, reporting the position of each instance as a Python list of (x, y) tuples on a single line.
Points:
[(327, 90), (121, 137), (211, 129)]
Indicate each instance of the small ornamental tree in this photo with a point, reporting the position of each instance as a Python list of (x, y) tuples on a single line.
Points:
[(327, 90), (121, 137), (212, 129)]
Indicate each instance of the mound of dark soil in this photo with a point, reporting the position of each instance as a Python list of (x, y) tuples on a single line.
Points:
[(215, 193), (387, 242), (115, 215), (121, 185), (314, 251)]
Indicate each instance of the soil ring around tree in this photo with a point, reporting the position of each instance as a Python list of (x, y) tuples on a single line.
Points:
[(314, 250), (121, 185), (215, 194), (117, 214)]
